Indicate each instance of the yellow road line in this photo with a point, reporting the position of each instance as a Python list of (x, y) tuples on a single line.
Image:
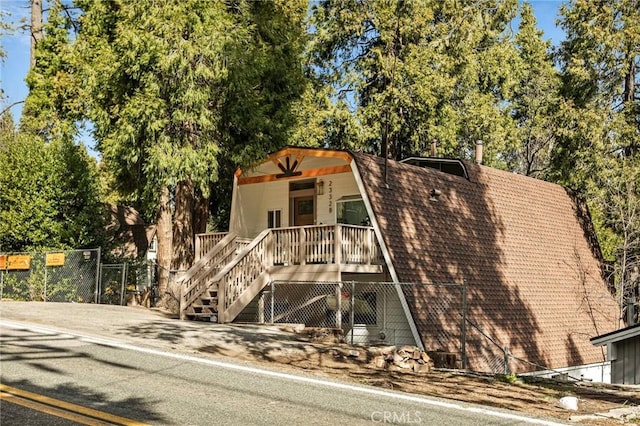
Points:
[(100, 415), (49, 410)]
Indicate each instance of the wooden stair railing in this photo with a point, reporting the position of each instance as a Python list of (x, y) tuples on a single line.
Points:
[(242, 279), (197, 279)]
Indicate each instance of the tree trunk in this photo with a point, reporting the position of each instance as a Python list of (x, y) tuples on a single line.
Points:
[(165, 243), (183, 226), (36, 28), (200, 214)]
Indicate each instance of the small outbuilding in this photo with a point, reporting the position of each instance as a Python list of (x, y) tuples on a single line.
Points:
[(623, 351)]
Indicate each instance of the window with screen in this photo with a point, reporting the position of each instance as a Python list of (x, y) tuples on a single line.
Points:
[(274, 218)]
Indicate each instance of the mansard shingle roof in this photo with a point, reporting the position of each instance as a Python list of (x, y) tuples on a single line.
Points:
[(533, 276)]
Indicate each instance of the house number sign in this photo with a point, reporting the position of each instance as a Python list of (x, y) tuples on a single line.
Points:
[(330, 196)]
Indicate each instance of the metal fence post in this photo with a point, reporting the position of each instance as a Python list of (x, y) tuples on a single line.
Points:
[(122, 286), (98, 282), (339, 306), (273, 289), (506, 360), (463, 333), (352, 308), (45, 277)]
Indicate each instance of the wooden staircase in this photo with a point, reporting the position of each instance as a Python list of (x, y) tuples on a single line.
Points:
[(199, 295), (231, 272)]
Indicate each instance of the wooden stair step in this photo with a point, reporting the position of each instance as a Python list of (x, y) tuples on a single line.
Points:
[(202, 316)]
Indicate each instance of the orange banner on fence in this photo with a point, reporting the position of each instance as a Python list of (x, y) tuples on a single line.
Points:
[(3, 261), (54, 259), (19, 262)]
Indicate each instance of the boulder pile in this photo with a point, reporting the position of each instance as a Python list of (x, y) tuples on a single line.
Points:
[(404, 358)]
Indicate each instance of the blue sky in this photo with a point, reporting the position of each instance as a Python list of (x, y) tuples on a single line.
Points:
[(16, 64)]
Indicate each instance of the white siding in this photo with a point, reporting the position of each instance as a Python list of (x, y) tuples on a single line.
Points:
[(254, 200), (253, 203), (390, 317), (335, 187)]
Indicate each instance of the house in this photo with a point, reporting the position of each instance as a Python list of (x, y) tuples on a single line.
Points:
[(523, 249), (623, 352), (128, 235)]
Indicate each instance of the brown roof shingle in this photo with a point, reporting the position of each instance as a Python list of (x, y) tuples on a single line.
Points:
[(534, 284)]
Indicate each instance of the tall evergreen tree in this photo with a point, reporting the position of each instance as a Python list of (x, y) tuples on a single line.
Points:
[(177, 89), (599, 151), (417, 71), (51, 196), (536, 100)]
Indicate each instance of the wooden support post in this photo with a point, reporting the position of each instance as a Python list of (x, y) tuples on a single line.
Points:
[(339, 306), (261, 308), (198, 247), (303, 251), (337, 245)]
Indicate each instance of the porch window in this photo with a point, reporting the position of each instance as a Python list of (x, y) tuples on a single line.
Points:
[(351, 211), (274, 219)]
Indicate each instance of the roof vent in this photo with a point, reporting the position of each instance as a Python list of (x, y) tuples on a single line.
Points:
[(434, 194), (446, 165)]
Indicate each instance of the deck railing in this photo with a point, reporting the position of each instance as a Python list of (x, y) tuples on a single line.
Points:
[(337, 244), (205, 242)]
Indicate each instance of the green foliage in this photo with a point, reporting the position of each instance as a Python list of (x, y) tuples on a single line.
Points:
[(27, 200), (176, 90), (49, 197), (416, 71), (510, 378), (54, 101), (265, 77), (155, 75), (536, 102), (15, 289), (599, 144)]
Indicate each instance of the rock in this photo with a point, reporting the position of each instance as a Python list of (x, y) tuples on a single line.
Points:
[(380, 362), (421, 368), (398, 358)]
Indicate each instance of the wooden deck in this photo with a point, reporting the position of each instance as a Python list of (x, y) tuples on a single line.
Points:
[(229, 272)]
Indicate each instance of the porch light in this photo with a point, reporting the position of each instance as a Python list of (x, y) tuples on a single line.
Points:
[(320, 187)]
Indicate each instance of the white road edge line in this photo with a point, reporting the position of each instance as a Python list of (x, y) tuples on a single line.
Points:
[(285, 376)]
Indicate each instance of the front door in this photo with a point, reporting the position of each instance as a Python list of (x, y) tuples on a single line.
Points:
[(303, 211)]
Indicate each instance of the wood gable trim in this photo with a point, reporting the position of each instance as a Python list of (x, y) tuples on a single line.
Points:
[(293, 158)]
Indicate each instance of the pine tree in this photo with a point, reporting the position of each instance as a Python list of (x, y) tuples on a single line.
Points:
[(418, 71), (599, 152), (536, 100), (178, 89)]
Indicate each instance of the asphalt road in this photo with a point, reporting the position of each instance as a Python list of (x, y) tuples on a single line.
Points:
[(159, 386)]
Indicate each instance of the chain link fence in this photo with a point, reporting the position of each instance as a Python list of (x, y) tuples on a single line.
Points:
[(369, 312), (52, 276), (127, 283), (75, 276)]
